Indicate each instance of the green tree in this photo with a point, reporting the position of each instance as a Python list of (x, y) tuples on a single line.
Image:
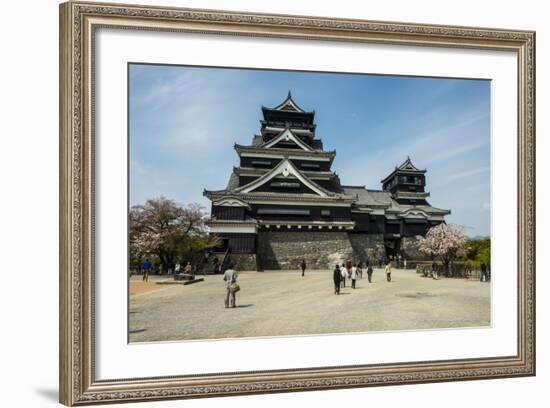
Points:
[(478, 251), (168, 233)]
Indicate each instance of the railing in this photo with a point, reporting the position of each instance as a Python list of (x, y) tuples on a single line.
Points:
[(456, 270)]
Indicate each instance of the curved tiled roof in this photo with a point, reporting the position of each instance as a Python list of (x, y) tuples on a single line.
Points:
[(233, 182), (370, 198)]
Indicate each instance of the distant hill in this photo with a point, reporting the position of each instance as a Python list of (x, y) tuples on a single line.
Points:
[(479, 237)]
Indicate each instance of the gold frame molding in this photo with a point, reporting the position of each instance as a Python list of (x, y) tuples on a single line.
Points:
[(78, 22)]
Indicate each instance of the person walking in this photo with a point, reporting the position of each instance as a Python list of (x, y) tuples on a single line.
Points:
[(387, 269), (434, 270), (343, 273), (336, 277), (231, 287), (483, 274), (177, 268), (303, 266), (360, 270), (353, 275), (369, 273), (146, 267)]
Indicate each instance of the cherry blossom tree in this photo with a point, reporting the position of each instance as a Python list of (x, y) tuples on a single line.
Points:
[(445, 242), (167, 232)]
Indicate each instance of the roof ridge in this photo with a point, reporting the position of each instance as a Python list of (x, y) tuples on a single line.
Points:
[(279, 137), (296, 172)]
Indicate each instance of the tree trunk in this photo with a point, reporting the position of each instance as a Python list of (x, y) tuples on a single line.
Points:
[(163, 261)]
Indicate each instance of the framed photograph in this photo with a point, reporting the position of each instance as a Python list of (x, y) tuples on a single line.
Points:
[(255, 203)]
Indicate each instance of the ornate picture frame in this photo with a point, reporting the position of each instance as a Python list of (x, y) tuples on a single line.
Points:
[(78, 24)]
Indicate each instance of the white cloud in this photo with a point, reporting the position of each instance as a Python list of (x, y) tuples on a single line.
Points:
[(197, 113), (452, 178), (436, 145)]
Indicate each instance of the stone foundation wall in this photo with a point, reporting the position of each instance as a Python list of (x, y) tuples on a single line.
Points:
[(286, 249), (368, 246), (244, 262)]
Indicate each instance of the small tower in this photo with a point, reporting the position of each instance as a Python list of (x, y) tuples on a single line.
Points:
[(288, 115), (406, 184)]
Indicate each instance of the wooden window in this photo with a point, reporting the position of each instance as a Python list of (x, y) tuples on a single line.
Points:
[(283, 211), (261, 163)]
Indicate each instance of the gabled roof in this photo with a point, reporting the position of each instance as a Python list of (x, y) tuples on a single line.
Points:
[(326, 155), (289, 105), (231, 201), (407, 167), (287, 135), (286, 169), (288, 109), (257, 172)]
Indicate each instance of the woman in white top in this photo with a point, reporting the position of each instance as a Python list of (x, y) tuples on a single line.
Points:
[(344, 272), (353, 275)]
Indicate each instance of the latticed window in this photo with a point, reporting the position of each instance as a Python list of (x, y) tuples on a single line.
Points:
[(229, 213)]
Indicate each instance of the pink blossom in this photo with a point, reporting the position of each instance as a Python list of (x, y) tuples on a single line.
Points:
[(444, 241)]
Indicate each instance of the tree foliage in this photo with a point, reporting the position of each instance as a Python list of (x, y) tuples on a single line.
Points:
[(446, 242), (478, 251), (167, 233)]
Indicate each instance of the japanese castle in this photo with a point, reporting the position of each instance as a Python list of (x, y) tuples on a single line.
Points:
[(284, 203)]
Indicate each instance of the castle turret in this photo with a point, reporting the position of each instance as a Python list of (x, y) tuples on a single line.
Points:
[(407, 184)]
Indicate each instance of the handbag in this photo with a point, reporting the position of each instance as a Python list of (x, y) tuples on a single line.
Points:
[(234, 288)]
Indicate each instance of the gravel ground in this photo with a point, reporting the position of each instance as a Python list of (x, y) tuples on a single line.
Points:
[(284, 303)]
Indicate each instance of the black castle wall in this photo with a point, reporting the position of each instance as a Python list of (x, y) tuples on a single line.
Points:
[(322, 165)]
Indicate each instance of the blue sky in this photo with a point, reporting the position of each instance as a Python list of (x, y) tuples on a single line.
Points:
[(185, 120)]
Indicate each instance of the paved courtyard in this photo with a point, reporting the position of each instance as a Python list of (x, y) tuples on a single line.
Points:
[(284, 303)]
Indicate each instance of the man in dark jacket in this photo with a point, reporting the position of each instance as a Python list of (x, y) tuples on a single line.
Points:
[(369, 273), (483, 275), (336, 276), (303, 266)]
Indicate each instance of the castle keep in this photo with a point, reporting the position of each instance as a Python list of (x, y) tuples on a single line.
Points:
[(284, 203)]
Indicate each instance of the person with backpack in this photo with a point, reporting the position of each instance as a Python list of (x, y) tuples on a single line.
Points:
[(343, 273)]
